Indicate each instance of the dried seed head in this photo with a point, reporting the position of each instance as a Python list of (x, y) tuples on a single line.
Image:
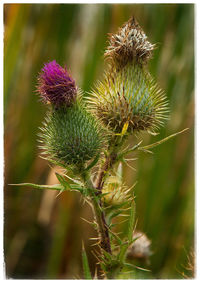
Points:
[(130, 43), (56, 85), (129, 96), (141, 246)]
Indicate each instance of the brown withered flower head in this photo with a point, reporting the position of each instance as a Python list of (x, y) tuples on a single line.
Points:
[(128, 44)]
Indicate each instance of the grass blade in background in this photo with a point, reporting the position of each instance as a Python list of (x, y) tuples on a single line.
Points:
[(86, 268)]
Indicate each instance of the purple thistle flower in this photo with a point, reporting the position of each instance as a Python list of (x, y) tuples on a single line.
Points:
[(56, 85)]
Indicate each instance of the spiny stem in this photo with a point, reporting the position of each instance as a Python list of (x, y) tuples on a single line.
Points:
[(96, 190), (103, 228), (99, 214), (110, 160)]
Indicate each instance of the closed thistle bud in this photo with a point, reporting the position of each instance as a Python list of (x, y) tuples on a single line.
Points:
[(128, 95), (115, 191), (56, 86), (71, 135)]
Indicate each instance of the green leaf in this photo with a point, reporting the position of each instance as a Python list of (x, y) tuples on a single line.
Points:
[(131, 222), (117, 238), (57, 187), (86, 268), (120, 156), (94, 162), (129, 235), (113, 215), (107, 255), (63, 182), (132, 266), (68, 186), (147, 147), (115, 207)]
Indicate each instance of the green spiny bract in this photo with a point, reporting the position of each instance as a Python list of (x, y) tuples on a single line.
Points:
[(131, 96), (71, 135)]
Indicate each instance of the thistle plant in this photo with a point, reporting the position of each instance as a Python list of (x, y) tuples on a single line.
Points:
[(85, 135)]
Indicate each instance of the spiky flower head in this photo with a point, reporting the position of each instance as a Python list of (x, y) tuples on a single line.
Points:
[(55, 85), (129, 96), (71, 135), (115, 192), (128, 44)]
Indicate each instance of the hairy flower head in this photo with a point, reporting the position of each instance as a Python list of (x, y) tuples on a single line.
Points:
[(55, 85), (128, 44)]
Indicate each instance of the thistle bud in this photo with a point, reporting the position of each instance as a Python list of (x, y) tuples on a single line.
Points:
[(130, 43), (71, 135), (115, 192), (56, 86)]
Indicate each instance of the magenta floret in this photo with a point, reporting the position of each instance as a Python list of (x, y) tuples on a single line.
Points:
[(56, 85)]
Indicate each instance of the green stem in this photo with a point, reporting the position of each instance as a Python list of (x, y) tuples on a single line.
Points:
[(99, 214), (95, 191), (110, 160), (103, 228)]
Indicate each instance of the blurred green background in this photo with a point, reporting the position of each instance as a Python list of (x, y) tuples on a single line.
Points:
[(43, 233)]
